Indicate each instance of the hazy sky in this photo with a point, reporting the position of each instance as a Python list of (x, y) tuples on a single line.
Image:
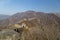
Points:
[(10, 7)]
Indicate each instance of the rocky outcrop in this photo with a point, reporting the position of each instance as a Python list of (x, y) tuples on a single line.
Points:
[(8, 34)]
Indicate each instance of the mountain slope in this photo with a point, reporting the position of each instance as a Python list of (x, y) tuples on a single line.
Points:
[(58, 14), (34, 25), (40, 27)]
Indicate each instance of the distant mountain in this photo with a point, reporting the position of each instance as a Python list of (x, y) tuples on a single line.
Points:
[(2, 17)]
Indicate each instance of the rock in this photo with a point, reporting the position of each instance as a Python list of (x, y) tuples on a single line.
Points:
[(8, 34)]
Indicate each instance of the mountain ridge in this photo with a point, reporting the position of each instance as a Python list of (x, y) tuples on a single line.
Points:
[(27, 15)]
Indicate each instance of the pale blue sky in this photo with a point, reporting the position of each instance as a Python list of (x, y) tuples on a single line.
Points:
[(10, 7)]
